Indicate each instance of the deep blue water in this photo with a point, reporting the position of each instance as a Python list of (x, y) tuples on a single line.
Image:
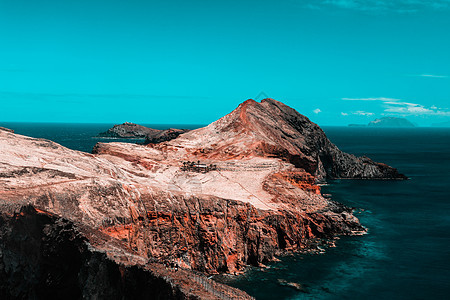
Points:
[(406, 254)]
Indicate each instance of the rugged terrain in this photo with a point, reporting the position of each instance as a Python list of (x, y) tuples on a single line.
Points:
[(235, 193), (44, 256), (131, 130)]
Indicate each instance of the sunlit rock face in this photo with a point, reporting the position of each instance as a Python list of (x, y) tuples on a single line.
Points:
[(237, 192)]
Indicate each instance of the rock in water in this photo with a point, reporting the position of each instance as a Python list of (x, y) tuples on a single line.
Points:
[(237, 192), (131, 130)]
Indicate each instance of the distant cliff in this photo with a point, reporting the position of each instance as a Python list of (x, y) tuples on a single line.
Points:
[(391, 122), (131, 130)]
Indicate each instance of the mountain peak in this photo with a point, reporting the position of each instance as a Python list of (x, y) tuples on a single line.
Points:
[(272, 129)]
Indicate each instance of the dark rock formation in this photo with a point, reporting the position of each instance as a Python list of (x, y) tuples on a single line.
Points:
[(164, 135), (131, 130), (391, 122), (43, 256), (128, 130)]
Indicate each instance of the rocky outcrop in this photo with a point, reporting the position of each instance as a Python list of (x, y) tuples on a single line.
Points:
[(260, 200), (128, 130), (44, 256), (131, 130), (391, 122), (164, 135), (217, 235)]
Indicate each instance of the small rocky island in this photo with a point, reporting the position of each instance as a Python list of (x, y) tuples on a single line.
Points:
[(129, 130), (387, 122), (393, 122), (151, 221)]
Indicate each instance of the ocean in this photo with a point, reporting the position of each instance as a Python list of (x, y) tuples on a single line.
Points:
[(406, 253), (79, 136)]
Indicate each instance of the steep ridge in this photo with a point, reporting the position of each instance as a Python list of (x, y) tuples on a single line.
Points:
[(235, 193)]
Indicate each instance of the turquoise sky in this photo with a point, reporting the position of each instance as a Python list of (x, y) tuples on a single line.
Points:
[(337, 62)]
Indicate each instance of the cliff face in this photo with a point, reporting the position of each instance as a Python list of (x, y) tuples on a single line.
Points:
[(260, 199), (43, 256), (131, 130)]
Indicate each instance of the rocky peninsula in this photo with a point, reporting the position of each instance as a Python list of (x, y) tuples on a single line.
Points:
[(137, 213)]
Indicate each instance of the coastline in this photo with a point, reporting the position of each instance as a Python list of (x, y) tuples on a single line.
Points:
[(260, 205)]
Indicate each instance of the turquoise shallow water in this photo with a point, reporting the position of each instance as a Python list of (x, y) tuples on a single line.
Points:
[(406, 254)]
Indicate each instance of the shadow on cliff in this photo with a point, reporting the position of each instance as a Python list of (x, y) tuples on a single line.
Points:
[(46, 257)]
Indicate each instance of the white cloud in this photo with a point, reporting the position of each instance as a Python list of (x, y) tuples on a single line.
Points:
[(396, 106), (398, 6), (359, 113), (400, 103), (363, 113), (432, 76), (370, 99), (317, 110), (407, 108)]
